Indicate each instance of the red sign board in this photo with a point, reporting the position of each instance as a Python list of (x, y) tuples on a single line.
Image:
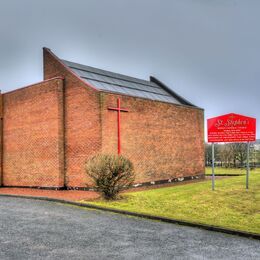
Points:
[(231, 128)]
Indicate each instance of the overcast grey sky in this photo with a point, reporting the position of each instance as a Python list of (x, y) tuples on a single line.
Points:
[(206, 50)]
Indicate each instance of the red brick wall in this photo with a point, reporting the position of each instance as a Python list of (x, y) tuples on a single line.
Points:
[(33, 135), (162, 140), (82, 121)]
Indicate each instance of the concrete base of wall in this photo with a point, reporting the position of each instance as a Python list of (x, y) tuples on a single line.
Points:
[(136, 185)]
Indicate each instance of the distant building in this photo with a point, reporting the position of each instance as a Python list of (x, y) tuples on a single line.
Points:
[(51, 128)]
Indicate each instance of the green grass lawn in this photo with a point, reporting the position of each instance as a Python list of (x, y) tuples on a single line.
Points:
[(229, 171), (230, 205)]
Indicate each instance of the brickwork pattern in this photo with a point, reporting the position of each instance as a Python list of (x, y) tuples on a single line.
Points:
[(32, 141), (1, 139), (164, 141), (82, 121)]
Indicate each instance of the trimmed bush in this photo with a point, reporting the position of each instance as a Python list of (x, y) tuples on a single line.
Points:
[(110, 173)]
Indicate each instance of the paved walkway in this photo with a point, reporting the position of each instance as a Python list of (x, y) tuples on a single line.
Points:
[(31, 229)]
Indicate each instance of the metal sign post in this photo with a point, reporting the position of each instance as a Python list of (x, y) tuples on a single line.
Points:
[(247, 166), (213, 162)]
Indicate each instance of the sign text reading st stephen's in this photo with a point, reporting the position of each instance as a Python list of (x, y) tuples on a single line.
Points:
[(231, 128)]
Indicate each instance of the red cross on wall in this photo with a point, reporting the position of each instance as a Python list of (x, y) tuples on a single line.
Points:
[(119, 110)]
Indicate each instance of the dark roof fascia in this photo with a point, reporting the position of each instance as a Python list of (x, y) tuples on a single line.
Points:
[(174, 94)]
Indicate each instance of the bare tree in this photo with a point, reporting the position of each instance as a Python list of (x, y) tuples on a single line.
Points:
[(239, 153), (230, 154), (226, 155), (208, 154)]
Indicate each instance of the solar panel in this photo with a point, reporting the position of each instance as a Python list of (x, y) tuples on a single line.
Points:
[(118, 83)]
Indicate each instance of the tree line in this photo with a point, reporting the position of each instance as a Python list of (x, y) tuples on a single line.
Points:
[(231, 155)]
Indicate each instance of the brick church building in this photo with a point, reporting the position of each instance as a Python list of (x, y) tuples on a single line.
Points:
[(49, 129)]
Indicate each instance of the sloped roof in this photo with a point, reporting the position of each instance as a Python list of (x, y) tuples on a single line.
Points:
[(117, 83)]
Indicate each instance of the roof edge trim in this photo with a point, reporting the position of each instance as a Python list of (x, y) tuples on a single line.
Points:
[(34, 84), (170, 91), (68, 68)]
